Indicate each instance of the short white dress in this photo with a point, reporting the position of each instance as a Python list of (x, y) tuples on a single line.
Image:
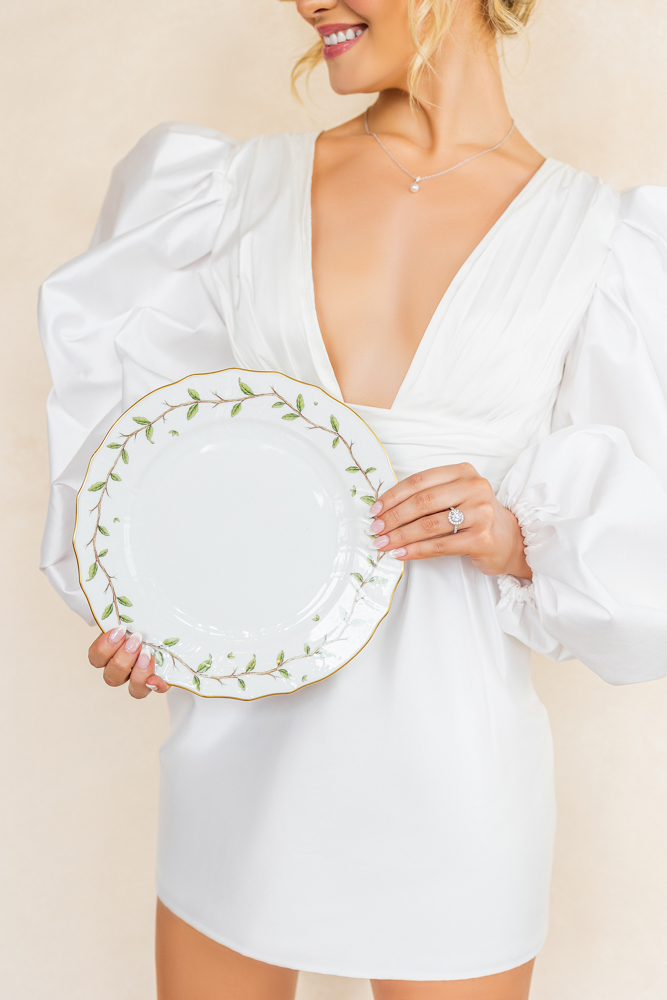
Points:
[(397, 820)]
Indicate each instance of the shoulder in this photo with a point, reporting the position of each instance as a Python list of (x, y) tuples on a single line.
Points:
[(637, 211), (632, 223), (637, 257), (566, 204), (645, 208), (167, 166), (177, 164), (627, 311), (171, 142), (640, 237), (172, 146)]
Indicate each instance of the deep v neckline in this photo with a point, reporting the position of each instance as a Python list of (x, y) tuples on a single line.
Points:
[(318, 346)]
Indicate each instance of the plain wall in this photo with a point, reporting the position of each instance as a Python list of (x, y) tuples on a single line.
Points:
[(81, 80)]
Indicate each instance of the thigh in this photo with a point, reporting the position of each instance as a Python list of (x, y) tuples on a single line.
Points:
[(190, 966), (512, 985)]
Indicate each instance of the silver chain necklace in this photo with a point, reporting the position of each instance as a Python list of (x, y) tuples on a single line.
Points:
[(414, 187)]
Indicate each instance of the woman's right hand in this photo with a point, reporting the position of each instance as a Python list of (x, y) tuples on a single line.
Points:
[(120, 658)]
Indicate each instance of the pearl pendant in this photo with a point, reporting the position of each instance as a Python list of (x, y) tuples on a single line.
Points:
[(415, 187)]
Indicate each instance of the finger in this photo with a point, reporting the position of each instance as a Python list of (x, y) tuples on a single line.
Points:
[(422, 529), (142, 672), (420, 481), (119, 666), (445, 545), (426, 503), (157, 684), (106, 645)]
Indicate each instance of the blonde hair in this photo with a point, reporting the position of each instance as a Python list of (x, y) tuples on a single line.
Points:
[(429, 20)]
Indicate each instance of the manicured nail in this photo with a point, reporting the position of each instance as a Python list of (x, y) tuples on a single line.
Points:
[(117, 633), (377, 527), (381, 541), (398, 553), (143, 660), (153, 687), (375, 509), (133, 643)]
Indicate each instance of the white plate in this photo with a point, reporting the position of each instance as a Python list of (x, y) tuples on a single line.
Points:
[(225, 517)]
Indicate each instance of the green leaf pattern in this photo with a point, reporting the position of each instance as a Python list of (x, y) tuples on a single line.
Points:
[(166, 648)]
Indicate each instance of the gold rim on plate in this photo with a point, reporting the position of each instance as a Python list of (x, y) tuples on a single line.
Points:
[(241, 371)]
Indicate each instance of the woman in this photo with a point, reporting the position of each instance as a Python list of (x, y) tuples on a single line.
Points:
[(498, 319)]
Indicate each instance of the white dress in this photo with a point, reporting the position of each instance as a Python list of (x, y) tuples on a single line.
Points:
[(397, 820)]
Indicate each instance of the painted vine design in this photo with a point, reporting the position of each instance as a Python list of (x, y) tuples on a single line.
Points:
[(165, 649)]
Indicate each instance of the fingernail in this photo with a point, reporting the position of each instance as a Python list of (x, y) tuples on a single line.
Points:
[(117, 633), (133, 643), (376, 508), (399, 553), (377, 527), (143, 661), (379, 543), (153, 687)]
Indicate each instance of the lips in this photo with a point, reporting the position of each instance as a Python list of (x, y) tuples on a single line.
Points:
[(338, 38)]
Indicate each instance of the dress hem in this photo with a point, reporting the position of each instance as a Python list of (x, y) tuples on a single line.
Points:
[(495, 969)]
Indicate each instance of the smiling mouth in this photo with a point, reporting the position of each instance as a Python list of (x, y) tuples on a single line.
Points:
[(338, 38)]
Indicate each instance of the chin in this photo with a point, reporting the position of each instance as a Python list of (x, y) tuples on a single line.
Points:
[(350, 85), (364, 80)]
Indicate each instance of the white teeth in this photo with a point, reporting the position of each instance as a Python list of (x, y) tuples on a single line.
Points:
[(342, 36)]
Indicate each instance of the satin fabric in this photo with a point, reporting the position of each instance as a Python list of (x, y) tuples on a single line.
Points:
[(397, 820)]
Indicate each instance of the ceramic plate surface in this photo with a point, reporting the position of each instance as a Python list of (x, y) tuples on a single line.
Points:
[(225, 517)]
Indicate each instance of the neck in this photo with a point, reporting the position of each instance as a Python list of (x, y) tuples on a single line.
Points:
[(459, 102)]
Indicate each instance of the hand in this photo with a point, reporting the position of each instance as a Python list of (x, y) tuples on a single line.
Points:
[(121, 658), (412, 519)]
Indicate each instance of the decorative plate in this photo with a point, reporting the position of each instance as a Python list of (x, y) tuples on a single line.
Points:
[(225, 517)]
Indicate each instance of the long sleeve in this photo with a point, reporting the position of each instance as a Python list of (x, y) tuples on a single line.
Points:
[(591, 499), (136, 311)]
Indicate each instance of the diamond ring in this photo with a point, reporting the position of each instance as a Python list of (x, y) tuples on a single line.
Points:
[(456, 517)]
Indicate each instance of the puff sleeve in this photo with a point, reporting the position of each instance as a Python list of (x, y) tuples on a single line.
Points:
[(591, 499), (135, 311)]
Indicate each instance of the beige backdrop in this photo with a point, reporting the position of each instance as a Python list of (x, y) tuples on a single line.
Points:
[(81, 81)]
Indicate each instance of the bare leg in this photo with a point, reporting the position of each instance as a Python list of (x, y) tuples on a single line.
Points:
[(190, 966), (512, 985)]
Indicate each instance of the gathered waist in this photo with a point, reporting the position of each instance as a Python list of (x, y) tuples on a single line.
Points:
[(415, 444)]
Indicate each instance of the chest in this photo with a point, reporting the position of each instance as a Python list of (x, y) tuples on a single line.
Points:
[(490, 354), (383, 257)]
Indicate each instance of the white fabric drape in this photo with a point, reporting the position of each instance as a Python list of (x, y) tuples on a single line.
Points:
[(591, 499), (129, 314), (397, 820)]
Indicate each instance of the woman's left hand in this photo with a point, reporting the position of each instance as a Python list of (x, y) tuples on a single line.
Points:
[(412, 519)]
